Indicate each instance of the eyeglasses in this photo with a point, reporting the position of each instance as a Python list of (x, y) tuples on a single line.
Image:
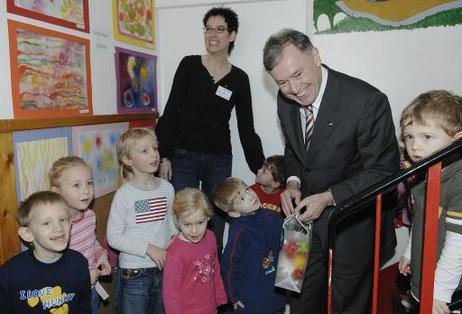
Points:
[(218, 30)]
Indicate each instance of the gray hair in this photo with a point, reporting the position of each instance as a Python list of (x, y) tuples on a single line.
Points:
[(275, 44)]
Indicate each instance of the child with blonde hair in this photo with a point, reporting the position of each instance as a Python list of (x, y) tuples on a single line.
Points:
[(249, 262), (432, 121), (192, 279), (141, 223), (72, 177)]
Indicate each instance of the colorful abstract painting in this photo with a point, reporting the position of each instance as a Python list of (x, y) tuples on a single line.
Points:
[(67, 13), (136, 81), (96, 145), (34, 153), (50, 72), (380, 15), (133, 22)]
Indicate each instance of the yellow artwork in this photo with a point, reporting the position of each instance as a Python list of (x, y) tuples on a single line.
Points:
[(34, 161), (34, 152), (133, 22)]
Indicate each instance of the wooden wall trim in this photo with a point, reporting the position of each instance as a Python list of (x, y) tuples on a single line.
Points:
[(9, 239), (12, 125)]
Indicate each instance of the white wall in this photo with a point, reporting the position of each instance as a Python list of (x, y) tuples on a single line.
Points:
[(180, 33), (401, 63)]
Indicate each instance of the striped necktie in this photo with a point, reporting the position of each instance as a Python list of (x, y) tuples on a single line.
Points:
[(309, 125)]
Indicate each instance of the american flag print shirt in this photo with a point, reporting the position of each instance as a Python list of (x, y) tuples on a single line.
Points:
[(149, 210)]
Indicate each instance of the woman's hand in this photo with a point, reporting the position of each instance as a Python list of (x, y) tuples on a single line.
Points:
[(165, 169)]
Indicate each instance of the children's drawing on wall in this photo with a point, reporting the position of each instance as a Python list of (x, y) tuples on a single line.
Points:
[(381, 15), (50, 72), (133, 22), (96, 145), (136, 81), (34, 153), (67, 13)]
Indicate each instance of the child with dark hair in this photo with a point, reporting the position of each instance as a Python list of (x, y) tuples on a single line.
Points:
[(269, 183)]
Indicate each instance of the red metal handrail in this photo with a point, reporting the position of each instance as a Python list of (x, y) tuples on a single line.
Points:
[(353, 206)]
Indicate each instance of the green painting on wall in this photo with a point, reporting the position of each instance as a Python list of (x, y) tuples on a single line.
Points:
[(345, 16)]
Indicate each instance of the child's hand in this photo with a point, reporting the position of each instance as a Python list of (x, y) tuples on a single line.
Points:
[(103, 265), (165, 169), (404, 266), (157, 254), (238, 305), (94, 274), (440, 307)]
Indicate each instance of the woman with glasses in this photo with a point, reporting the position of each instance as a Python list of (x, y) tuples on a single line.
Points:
[(193, 132)]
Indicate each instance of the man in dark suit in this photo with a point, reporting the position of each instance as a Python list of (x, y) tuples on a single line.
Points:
[(339, 140)]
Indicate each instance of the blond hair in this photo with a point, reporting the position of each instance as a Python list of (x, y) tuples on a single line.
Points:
[(444, 106), (188, 201), (33, 201), (226, 192), (123, 148), (62, 164)]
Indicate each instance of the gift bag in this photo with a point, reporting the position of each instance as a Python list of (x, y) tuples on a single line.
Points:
[(293, 257)]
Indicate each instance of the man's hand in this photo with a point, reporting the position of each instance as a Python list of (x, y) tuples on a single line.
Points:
[(157, 254), (404, 266), (165, 169), (290, 194), (315, 205), (440, 307)]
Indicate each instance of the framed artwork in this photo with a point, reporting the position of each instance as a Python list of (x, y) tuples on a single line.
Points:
[(96, 144), (133, 22), (35, 151), (50, 72), (345, 16), (136, 81), (68, 13)]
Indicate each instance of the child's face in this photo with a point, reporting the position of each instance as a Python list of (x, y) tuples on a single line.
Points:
[(143, 156), (245, 203), (48, 230), (422, 141), (264, 177), (193, 227), (76, 186)]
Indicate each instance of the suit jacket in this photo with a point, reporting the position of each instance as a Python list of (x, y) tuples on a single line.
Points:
[(353, 146)]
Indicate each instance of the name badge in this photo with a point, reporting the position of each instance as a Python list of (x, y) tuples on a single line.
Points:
[(223, 92)]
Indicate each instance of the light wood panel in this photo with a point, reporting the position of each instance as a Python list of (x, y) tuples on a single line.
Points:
[(9, 239)]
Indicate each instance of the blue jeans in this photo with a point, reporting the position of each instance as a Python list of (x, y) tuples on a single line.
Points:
[(94, 301), (141, 291), (205, 171)]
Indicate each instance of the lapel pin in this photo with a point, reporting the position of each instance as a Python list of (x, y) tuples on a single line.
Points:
[(330, 124)]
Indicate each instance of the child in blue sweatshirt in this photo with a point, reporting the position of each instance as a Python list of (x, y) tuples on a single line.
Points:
[(249, 261)]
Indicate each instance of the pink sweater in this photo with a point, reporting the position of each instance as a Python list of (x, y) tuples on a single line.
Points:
[(83, 237), (192, 281)]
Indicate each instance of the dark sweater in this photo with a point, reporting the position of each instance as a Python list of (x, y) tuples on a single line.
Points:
[(247, 276), (197, 119), (30, 286)]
